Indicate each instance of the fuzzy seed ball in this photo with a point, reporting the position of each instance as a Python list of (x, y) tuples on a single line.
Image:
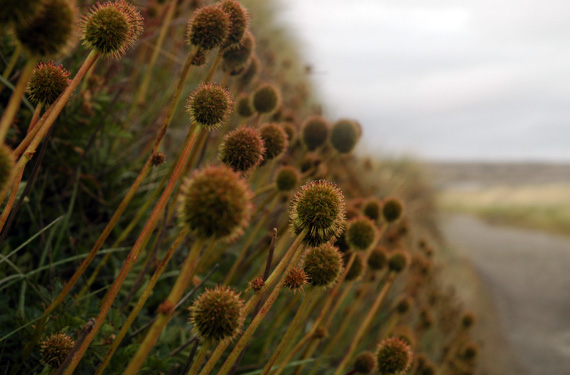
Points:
[(377, 258), (107, 30), (314, 132), (290, 130), (217, 314), (215, 203), (393, 356), (344, 136), (296, 279), (251, 72), (209, 105), (51, 32), (356, 268), (239, 22), (372, 209), (319, 209), (398, 261), (237, 57), (6, 166), (286, 178), (208, 28), (392, 209), (135, 20), (158, 159), (47, 83), (243, 106), (257, 284), (242, 149), (361, 233), (364, 363), (266, 98), (275, 140), (323, 265), (18, 11), (55, 349)]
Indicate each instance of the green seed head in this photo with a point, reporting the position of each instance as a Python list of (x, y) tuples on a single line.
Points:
[(111, 28), (393, 356), (208, 28), (235, 59), (377, 258), (209, 106), (239, 22), (275, 140), (6, 166), (344, 136), (266, 98), (372, 209), (251, 72), (217, 314), (287, 178), (47, 83), (398, 261), (55, 349), (392, 209), (242, 149), (243, 106), (319, 209), (365, 363), (296, 279), (51, 32), (361, 233), (323, 265), (356, 269), (18, 11), (215, 204), (315, 132)]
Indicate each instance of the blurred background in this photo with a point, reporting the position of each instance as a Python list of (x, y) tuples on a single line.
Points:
[(477, 92)]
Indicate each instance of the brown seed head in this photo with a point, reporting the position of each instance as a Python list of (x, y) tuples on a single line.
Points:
[(55, 349)]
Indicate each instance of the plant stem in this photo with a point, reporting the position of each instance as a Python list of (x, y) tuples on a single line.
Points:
[(136, 250), (200, 358), (142, 300), (214, 66), (16, 98), (11, 64), (166, 308)]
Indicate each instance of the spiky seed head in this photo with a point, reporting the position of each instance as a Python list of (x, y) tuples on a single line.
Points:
[(47, 83), (403, 305), (291, 131), (356, 268), (377, 258), (365, 363), (319, 209), (344, 136), (286, 178), (51, 32), (6, 166), (209, 105), (208, 28), (236, 58), (266, 98), (468, 319), (406, 334), (372, 209), (217, 314), (392, 209), (251, 72), (361, 233), (242, 149), (215, 203), (55, 348), (239, 22), (398, 261), (323, 265), (315, 132), (275, 140), (17, 11), (111, 28), (393, 356), (243, 106), (257, 284), (158, 158), (296, 279)]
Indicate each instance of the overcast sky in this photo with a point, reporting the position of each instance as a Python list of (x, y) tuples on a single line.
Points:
[(444, 79)]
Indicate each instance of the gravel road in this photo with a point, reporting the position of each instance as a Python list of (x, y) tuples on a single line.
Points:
[(528, 276)]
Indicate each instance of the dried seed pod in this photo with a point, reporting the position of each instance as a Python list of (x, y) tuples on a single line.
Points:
[(243, 107), (266, 98), (47, 83), (344, 136), (296, 279), (315, 132), (208, 28), (365, 363), (392, 209), (209, 106), (393, 356), (377, 258), (361, 233), (323, 265), (274, 139), (158, 159), (287, 178), (372, 209), (239, 22), (398, 261), (237, 57), (251, 72), (55, 349), (242, 149)]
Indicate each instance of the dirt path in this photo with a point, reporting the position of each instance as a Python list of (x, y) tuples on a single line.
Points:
[(528, 276)]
